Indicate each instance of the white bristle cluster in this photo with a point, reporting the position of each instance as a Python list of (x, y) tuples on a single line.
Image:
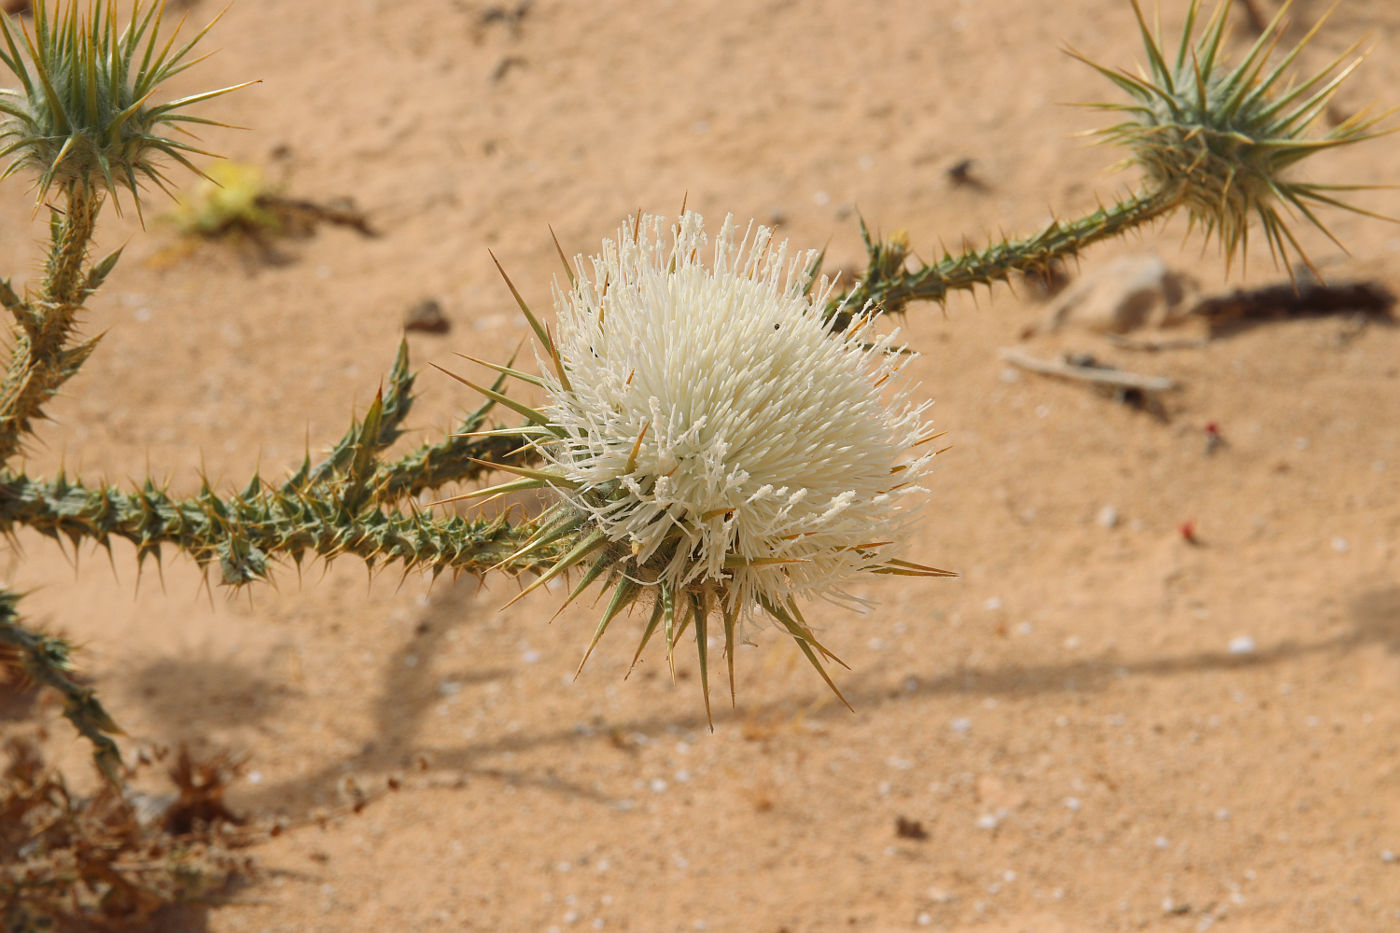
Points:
[(778, 451)]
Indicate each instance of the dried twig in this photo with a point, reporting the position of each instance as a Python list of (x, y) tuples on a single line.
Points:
[(1100, 375)]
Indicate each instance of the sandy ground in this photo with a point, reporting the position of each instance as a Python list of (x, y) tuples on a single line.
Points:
[(1096, 728)]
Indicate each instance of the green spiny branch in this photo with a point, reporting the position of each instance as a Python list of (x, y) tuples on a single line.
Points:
[(45, 660), (242, 534), (339, 506), (1220, 141), (43, 351), (890, 285)]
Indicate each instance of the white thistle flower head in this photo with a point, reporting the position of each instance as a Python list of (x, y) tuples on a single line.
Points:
[(716, 446)]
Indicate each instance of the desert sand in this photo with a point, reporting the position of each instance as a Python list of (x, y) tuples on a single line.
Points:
[(1100, 725)]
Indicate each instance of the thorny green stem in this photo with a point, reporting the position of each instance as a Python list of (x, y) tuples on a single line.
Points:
[(335, 507), (451, 460), (63, 273), (42, 354), (890, 285), (45, 660), (244, 533)]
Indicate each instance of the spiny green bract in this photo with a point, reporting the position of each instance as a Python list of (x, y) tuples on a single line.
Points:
[(1220, 140), (83, 114)]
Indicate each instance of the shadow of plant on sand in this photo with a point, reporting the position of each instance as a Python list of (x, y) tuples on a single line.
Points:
[(406, 698)]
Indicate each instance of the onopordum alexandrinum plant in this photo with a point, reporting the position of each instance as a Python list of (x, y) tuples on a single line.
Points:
[(726, 432)]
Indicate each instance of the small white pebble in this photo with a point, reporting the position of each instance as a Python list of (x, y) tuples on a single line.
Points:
[(1073, 803), (1008, 876), (682, 776), (993, 604), (987, 821), (1108, 517), (1161, 842), (1301, 443), (1340, 545), (563, 867), (1388, 856), (1242, 644), (1072, 642), (255, 777), (571, 917), (530, 657), (961, 725), (1222, 814), (924, 919), (657, 785)]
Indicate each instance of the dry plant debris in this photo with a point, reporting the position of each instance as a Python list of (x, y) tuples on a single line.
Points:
[(111, 860), (237, 201)]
